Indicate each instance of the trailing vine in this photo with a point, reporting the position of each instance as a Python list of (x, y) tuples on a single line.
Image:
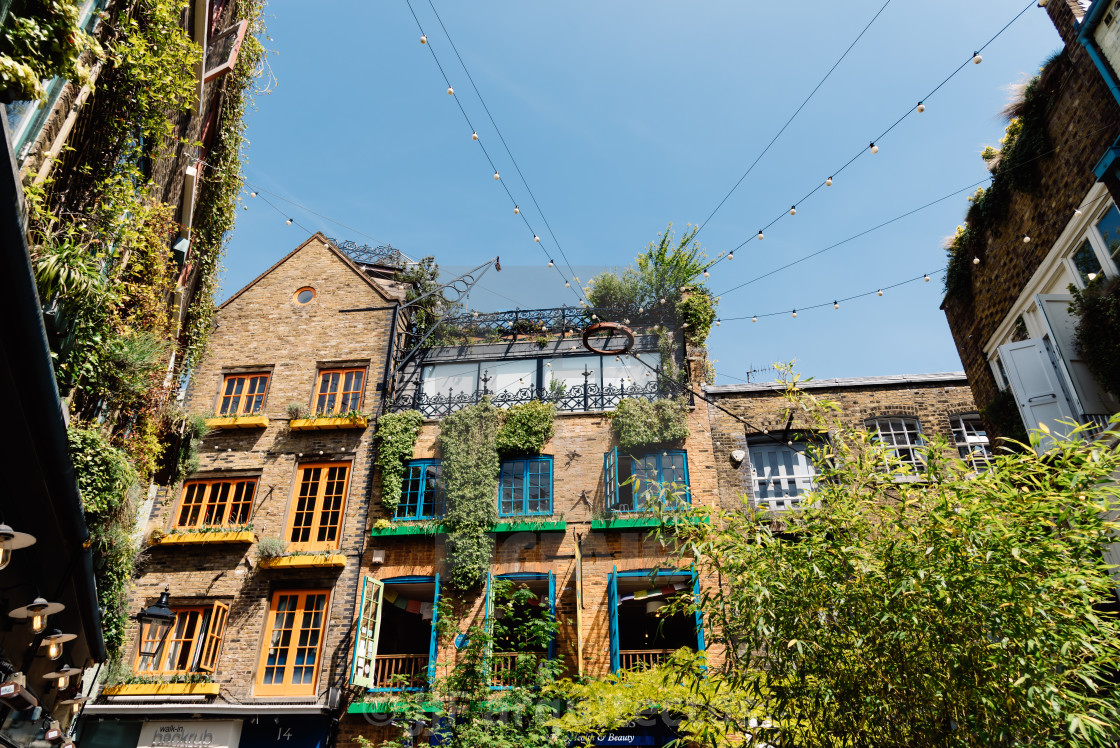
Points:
[(468, 442), (1015, 167), (42, 39), (396, 435), (642, 423), (697, 313), (525, 427)]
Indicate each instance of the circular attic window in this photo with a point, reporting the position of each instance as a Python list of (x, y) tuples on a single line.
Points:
[(305, 295)]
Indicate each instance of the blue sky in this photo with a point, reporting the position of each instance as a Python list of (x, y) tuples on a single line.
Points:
[(626, 116)]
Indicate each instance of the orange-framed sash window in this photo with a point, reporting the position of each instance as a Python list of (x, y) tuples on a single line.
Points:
[(216, 503), (340, 391), (243, 394), (190, 645), (293, 643), (316, 522)]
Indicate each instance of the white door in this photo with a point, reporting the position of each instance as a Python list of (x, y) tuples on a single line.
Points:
[(1037, 387), (1063, 329)]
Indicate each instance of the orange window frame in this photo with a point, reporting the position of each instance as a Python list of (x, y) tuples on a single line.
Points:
[(191, 644), (243, 394), (318, 506), (216, 503), (339, 390), (292, 649)]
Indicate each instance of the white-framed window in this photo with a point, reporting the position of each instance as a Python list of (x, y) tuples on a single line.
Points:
[(780, 473), (903, 436), (971, 441)]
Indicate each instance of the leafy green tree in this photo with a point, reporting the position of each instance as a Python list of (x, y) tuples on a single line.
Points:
[(944, 608), (463, 708)]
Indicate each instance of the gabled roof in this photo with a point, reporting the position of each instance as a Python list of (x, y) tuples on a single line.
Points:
[(317, 236)]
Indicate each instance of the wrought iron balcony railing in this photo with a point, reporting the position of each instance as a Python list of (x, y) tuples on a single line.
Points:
[(584, 397), (530, 324)]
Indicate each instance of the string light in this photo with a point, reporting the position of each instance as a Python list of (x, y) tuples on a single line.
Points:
[(874, 148), (828, 182), (976, 58), (474, 136), (975, 260), (536, 238), (836, 305), (423, 39), (450, 91), (754, 319), (516, 210), (731, 255), (926, 277), (880, 292), (288, 222), (921, 107), (760, 235), (717, 323), (793, 210), (253, 193), (1026, 239), (567, 284), (707, 274), (550, 263), (497, 175), (795, 314)]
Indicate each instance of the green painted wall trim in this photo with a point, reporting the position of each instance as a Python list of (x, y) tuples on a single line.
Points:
[(626, 523), (530, 526), (384, 707), (417, 529)]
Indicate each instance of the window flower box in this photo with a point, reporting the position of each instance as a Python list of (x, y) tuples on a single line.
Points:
[(410, 528), (238, 422), (328, 423), (190, 538), (307, 561), (162, 689)]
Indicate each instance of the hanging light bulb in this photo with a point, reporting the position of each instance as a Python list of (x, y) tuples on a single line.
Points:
[(474, 136), (1026, 239), (731, 255), (836, 305), (253, 194), (423, 39), (795, 314), (880, 292), (874, 148), (975, 260), (707, 274), (550, 264), (1077, 211), (976, 58), (11, 540), (516, 210), (754, 319), (828, 182), (760, 235), (793, 210), (536, 238), (497, 175), (1091, 276), (717, 323), (926, 277), (921, 107), (450, 91), (288, 222), (567, 284)]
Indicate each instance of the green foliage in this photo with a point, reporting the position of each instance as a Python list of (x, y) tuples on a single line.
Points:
[(468, 444), (697, 313), (423, 278), (271, 547), (1015, 167), (396, 434), (1098, 329), (660, 272), (470, 713), (525, 428), (1002, 413), (42, 39), (960, 610), (105, 479), (642, 423), (191, 430)]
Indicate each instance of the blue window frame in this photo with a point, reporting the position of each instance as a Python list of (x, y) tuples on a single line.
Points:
[(634, 483), (422, 495), (525, 487), (613, 604)]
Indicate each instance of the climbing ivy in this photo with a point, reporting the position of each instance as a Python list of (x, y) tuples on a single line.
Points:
[(42, 40), (468, 443), (697, 313), (644, 423), (396, 434), (526, 427)]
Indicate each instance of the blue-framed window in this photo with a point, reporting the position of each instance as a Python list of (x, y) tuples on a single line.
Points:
[(637, 482), (525, 487), (636, 642), (422, 495)]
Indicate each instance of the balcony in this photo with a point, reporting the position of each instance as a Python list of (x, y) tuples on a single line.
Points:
[(505, 666), (400, 672), (576, 399), (638, 659)]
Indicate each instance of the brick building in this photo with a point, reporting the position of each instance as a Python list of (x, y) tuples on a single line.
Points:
[(1011, 324), (258, 551)]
